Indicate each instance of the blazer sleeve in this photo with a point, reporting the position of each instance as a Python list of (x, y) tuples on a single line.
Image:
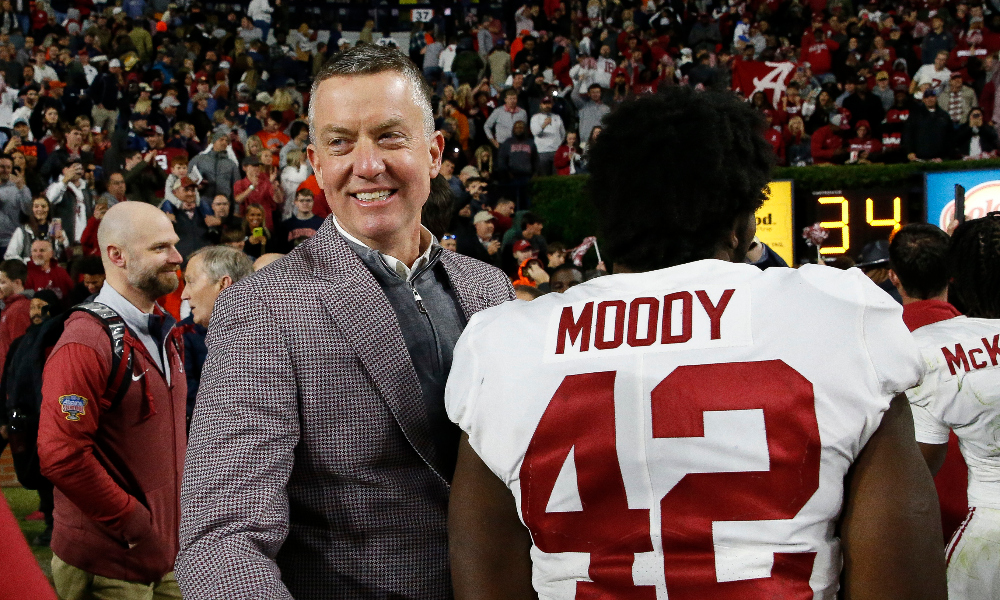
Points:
[(234, 506)]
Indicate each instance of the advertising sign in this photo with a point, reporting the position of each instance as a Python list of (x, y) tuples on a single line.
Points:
[(982, 194), (775, 222)]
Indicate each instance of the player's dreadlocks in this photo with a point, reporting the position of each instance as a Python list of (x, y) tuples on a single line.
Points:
[(671, 173), (974, 260)]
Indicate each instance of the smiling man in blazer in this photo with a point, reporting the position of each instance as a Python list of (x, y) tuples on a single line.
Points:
[(320, 454)]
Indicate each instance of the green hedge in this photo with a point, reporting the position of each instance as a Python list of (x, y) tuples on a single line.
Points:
[(564, 204), (866, 176), (569, 215)]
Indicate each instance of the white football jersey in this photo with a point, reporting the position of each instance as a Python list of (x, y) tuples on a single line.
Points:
[(685, 431), (961, 392)]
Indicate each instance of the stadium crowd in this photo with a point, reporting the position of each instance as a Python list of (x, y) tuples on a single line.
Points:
[(146, 102), (203, 115)]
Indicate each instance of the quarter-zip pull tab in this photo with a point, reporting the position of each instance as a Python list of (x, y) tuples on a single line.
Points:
[(416, 296)]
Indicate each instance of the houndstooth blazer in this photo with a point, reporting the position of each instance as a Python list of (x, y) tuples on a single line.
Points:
[(310, 469)]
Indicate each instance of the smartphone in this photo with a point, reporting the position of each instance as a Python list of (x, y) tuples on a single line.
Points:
[(257, 232), (55, 228), (959, 203)]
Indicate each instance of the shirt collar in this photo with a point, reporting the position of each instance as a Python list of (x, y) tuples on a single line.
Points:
[(395, 265), (138, 320), (927, 312)]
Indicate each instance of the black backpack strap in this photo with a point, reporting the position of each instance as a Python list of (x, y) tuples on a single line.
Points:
[(122, 357)]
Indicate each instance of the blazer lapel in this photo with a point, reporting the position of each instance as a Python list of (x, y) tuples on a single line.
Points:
[(363, 314)]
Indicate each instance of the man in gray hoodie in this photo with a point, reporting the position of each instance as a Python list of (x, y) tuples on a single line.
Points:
[(219, 172), (13, 193)]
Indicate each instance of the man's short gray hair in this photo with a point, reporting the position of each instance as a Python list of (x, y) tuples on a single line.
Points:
[(219, 261), (370, 59)]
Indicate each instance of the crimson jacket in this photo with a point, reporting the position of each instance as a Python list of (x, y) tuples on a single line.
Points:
[(88, 239), (19, 572), (57, 280), (824, 144), (117, 471), (14, 321)]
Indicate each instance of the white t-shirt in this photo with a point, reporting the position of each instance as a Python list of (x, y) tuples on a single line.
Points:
[(961, 393), (605, 67), (706, 443), (937, 79)]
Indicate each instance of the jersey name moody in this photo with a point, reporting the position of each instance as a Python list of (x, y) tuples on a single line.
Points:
[(678, 320), (960, 358)]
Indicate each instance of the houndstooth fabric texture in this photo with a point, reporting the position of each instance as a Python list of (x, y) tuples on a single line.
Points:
[(310, 470)]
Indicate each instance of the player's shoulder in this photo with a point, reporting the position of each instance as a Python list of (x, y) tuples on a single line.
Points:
[(955, 327), (941, 330), (705, 273), (823, 288)]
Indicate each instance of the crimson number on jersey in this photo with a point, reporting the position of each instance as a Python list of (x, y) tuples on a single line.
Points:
[(581, 416)]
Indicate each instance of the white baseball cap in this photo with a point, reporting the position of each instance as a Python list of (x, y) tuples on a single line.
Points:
[(114, 63)]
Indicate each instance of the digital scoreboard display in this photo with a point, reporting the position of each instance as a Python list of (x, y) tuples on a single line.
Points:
[(855, 218)]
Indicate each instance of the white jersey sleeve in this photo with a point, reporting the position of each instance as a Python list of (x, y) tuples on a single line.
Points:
[(927, 428), (891, 349), (888, 346)]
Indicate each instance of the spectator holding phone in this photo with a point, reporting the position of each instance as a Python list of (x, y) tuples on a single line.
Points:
[(13, 194), (38, 227), (567, 159), (72, 199), (258, 235)]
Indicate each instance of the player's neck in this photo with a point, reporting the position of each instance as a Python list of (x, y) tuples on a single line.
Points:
[(908, 299)]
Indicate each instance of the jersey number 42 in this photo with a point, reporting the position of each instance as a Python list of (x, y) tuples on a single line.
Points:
[(580, 416)]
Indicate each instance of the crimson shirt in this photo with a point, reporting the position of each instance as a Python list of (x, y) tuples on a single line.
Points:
[(262, 194), (56, 279), (22, 579), (14, 321), (869, 145)]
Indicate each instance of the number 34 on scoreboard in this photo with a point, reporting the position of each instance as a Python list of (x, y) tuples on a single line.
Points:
[(855, 219)]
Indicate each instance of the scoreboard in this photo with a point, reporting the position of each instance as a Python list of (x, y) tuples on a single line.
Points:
[(856, 217), (853, 218)]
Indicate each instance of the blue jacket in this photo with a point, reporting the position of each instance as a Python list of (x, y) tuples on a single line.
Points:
[(195, 352)]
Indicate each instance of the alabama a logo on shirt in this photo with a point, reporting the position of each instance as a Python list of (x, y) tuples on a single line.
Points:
[(73, 406)]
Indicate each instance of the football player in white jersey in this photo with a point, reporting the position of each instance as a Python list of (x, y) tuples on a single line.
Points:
[(918, 260), (961, 393), (690, 428)]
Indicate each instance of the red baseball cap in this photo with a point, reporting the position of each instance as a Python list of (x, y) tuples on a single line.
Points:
[(522, 245)]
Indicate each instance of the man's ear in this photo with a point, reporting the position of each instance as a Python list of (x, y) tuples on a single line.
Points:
[(116, 256), (314, 161), (732, 240), (895, 280), (436, 146), (225, 282)]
